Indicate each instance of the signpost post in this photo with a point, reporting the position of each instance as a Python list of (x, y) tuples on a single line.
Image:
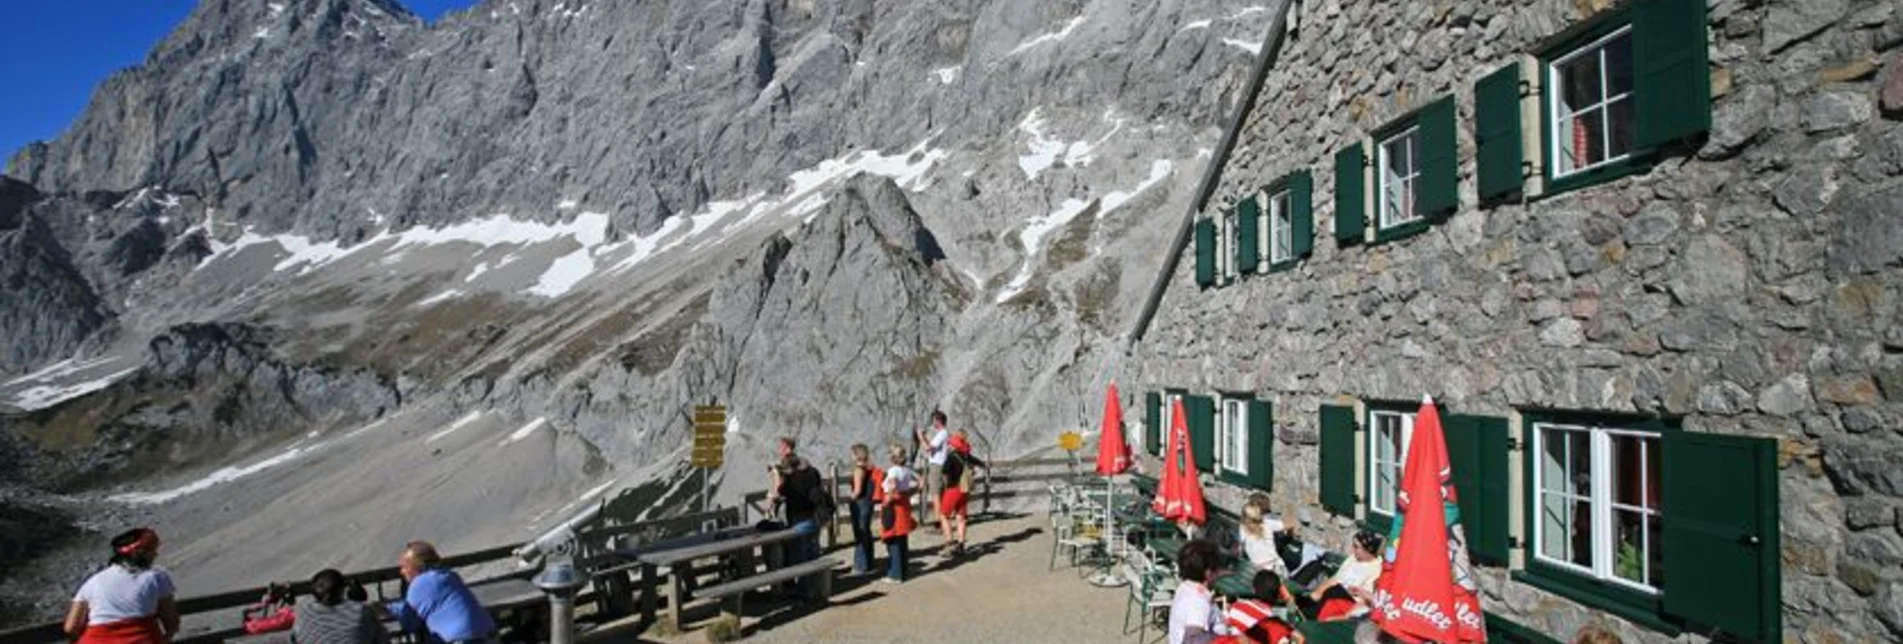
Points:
[(710, 446)]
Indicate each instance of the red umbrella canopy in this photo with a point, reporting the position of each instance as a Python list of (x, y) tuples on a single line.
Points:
[(1113, 453), (1180, 493), (1172, 467), (1427, 593)]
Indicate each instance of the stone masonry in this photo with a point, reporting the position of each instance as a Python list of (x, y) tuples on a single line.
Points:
[(1753, 286)]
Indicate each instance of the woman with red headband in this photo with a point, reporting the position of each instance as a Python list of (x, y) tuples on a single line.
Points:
[(130, 601)]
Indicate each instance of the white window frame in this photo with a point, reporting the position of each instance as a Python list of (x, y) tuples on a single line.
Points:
[(1230, 270), (1411, 135), (1375, 463), (1168, 419), (1281, 234), (1552, 89), (1601, 503), (1232, 436)]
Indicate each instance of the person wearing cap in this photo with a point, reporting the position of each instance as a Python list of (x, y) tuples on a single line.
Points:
[(130, 601), (953, 513), (438, 605)]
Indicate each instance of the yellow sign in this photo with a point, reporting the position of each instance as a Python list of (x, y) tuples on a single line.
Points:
[(710, 436), (1070, 441)]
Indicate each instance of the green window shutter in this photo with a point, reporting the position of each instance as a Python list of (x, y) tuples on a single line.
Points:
[(1248, 218), (1338, 459), (1477, 451), (1671, 82), (1202, 431), (1205, 253), (1498, 155), (1351, 217), (1439, 187), (1153, 422), (1302, 212), (1720, 515), (1261, 445)]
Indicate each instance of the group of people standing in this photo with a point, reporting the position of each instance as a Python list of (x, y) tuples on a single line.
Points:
[(132, 600), (881, 503)]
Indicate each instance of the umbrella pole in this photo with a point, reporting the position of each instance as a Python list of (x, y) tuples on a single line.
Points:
[(1106, 576)]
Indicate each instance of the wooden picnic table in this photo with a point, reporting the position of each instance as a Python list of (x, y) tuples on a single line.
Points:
[(740, 547)]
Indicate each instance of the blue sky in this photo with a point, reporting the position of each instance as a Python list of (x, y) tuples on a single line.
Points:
[(58, 51)]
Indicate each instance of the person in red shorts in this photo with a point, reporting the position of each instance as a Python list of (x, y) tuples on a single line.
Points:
[(960, 472)]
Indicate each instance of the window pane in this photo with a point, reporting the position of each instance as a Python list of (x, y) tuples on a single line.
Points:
[(1652, 473), (1579, 83), (1619, 128), (1387, 438), (1565, 145), (1627, 484), (1386, 482), (1629, 546), (1553, 460), (1565, 530), (1589, 132), (1579, 467), (1619, 65), (1655, 575)]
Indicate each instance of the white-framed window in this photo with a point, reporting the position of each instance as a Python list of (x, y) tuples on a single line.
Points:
[(1389, 434), (1281, 228), (1232, 437), (1227, 249), (1596, 490), (1169, 416), (1589, 98), (1399, 165)]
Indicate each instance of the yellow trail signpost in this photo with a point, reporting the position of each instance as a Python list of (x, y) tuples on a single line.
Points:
[(710, 436)]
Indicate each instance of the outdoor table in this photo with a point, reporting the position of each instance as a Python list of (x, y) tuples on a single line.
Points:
[(1335, 632), (1241, 585), (742, 546)]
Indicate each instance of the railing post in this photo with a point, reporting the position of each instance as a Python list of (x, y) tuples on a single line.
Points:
[(832, 522)]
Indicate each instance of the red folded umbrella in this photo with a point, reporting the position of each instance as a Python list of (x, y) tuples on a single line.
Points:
[(1113, 453), (1426, 592), (1179, 496)]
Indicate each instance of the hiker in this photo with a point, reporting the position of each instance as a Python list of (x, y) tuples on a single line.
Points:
[(866, 480), (807, 502), (1257, 531), (329, 617), (960, 473), (1193, 615), (895, 514), (130, 601), (1346, 594), (1254, 620), (438, 604), (936, 448)]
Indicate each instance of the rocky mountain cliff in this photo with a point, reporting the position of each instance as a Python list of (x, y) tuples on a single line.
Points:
[(302, 225)]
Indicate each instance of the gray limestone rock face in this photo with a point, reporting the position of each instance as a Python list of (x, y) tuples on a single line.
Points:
[(47, 307)]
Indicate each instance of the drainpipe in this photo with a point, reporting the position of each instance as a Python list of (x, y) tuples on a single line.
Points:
[(1212, 174)]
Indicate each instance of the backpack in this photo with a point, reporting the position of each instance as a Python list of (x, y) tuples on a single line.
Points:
[(822, 497)]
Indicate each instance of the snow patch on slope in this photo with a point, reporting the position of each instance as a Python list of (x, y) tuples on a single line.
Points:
[(1049, 37), (1037, 229)]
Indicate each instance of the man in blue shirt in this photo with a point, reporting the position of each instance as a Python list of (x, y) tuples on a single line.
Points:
[(438, 604)]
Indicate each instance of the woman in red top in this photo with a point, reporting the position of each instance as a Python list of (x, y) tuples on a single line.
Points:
[(896, 514)]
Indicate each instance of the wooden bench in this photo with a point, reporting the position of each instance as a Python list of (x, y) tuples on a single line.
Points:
[(741, 547), (820, 588)]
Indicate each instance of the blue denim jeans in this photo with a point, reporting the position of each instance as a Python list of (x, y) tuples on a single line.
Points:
[(861, 535), (897, 554), (803, 549)]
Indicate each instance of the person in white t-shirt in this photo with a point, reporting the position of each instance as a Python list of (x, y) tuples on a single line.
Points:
[(895, 515), (1257, 531), (130, 601), (1355, 579), (937, 448), (1193, 615)]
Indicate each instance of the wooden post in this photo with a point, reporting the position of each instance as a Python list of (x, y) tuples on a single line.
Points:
[(649, 576), (832, 521)]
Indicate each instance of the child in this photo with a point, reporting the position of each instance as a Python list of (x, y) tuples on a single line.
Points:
[(1193, 615), (896, 514), (1254, 620)]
